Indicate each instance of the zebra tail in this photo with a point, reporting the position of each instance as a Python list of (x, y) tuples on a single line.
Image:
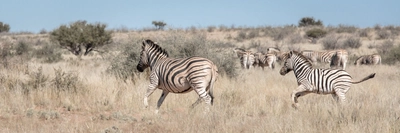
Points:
[(364, 79)]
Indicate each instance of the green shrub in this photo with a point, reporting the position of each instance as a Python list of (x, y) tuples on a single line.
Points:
[(316, 33), (80, 37), (4, 27), (309, 21)]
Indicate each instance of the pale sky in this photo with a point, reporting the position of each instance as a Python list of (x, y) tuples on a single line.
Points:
[(35, 15)]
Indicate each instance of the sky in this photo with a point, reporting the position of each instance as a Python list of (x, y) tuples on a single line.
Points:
[(36, 15)]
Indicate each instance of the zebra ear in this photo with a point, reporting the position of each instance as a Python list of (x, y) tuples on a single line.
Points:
[(290, 53)]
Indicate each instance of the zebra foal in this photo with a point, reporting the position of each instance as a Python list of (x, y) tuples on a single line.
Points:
[(320, 81), (176, 75)]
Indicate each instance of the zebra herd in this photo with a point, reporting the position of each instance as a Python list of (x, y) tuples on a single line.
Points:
[(337, 59), (182, 75)]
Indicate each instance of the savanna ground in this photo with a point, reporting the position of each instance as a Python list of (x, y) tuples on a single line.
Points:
[(102, 92)]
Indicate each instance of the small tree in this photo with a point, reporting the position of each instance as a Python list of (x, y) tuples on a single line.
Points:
[(80, 35), (159, 24), (4, 27), (309, 21)]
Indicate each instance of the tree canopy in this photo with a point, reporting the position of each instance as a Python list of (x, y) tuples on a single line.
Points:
[(4, 27), (80, 35)]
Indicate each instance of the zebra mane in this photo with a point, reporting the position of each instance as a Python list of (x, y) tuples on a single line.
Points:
[(153, 45), (301, 56)]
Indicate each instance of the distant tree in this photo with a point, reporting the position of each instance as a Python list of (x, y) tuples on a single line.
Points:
[(4, 27), (309, 21), (81, 35), (159, 24)]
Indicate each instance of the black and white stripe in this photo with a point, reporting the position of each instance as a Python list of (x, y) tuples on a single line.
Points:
[(373, 59), (176, 75), (320, 81), (247, 58), (335, 58), (263, 60)]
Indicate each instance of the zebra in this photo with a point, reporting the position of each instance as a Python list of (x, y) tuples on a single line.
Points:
[(277, 52), (247, 58), (373, 59), (339, 57), (321, 81), (177, 75), (263, 60)]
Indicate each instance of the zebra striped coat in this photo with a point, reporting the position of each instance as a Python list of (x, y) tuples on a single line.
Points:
[(176, 75), (335, 58), (373, 59), (247, 58), (263, 60), (339, 59), (320, 81)]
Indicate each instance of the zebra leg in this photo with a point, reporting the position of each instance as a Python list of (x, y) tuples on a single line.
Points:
[(152, 87), (300, 91), (196, 103), (161, 100)]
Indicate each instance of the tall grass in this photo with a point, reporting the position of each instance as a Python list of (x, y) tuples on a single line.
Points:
[(80, 95)]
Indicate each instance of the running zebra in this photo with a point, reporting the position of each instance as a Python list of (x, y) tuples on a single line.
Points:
[(320, 81), (247, 58), (373, 59), (263, 60), (339, 57), (177, 75)]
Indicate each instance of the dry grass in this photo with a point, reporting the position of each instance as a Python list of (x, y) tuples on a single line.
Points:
[(256, 101)]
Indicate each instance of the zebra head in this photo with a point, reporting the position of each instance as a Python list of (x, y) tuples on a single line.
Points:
[(150, 52), (288, 65)]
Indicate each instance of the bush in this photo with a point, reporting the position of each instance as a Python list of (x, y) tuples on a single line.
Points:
[(385, 47), (241, 36), (80, 37), (23, 48), (331, 42), (352, 42), (392, 56), (363, 33), (383, 34), (48, 53), (211, 28), (316, 33), (4, 27), (309, 21), (66, 81), (346, 29), (37, 79), (123, 66)]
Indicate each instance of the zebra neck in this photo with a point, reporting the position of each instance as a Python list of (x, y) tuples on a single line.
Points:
[(301, 70), (154, 59)]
